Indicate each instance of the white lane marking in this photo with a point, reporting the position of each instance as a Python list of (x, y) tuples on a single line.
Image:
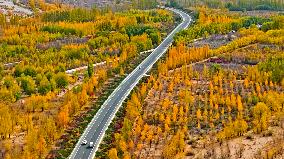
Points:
[(92, 155), (124, 81)]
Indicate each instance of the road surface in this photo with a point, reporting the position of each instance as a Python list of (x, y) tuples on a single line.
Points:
[(99, 124), (71, 71)]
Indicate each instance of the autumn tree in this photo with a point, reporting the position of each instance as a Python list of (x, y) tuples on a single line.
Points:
[(6, 124), (44, 86), (32, 3), (63, 115), (41, 146), (261, 115), (174, 146), (112, 153), (198, 116)]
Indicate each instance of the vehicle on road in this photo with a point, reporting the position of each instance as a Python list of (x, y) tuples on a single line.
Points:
[(91, 145), (96, 129), (84, 142)]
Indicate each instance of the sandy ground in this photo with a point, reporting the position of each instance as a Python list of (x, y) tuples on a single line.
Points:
[(240, 147)]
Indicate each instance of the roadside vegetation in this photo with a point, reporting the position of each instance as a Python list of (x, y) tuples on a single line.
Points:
[(40, 104), (217, 93), (232, 5), (217, 98)]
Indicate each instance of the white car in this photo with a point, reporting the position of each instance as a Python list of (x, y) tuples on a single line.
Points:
[(84, 142), (91, 144)]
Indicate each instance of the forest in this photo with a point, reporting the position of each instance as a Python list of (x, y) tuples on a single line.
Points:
[(208, 99), (232, 5), (39, 101), (216, 93)]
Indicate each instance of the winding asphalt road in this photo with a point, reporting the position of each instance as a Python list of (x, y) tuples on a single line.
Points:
[(99, 124)]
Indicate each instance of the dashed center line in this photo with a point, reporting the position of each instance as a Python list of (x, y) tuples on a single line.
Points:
[(113, 104)]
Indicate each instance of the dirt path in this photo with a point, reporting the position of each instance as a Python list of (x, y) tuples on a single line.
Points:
[(7, 5)]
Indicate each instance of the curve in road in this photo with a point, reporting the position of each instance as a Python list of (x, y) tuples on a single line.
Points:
[(99, 124)]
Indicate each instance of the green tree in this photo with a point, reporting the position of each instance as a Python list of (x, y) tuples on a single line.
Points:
[(28, 84), (90, 70), (156, 38), (61, 80), (8, 81), (30, 71), (44, 86)]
